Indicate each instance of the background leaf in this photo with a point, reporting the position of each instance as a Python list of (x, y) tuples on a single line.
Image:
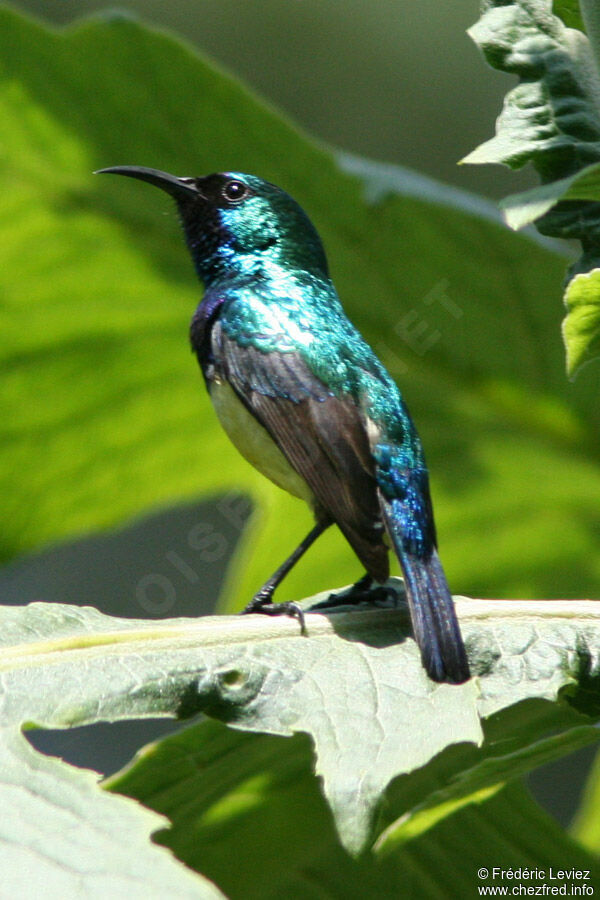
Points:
[(104, 412), (249, 803)]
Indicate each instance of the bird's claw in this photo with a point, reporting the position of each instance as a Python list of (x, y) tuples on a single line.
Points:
[(364, 591), (263, 604)]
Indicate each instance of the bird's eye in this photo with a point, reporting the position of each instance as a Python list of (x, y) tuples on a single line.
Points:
[(234, 191)]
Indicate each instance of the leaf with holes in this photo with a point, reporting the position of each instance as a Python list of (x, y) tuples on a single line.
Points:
[(355, 684)]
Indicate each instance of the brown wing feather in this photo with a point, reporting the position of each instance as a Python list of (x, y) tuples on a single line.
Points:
[(322, 436)]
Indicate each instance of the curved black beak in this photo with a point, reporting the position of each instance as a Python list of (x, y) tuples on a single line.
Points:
[(179, 188)]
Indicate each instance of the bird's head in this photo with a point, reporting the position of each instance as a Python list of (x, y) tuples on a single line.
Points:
[(238, 225)]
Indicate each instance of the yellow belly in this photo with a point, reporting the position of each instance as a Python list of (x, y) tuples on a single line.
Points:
[(255, 443)]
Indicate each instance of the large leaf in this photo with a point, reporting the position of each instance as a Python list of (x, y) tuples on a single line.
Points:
[(551, 119), (62, 836), (104, 411), (355, 685)]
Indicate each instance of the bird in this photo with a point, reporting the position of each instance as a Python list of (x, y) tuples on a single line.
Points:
[(305, 399)]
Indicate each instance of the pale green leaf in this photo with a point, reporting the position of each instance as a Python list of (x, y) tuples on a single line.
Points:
[(355, 681), (552, 118), (523, 209), (355, 684), (581, 327), (62, 836)]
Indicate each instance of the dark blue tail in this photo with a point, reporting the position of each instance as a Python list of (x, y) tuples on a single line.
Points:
[(433, 618), (405, 504)]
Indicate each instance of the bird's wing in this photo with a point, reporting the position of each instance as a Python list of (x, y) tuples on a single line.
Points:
[(322, 436)]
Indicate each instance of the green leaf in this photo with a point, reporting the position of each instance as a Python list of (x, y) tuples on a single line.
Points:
[(569, 12), (586, 825), (62, 836), (581, 327), (355, 685), (257, 792), (523, 209), (258, 674), (552, 119), (470, 775)]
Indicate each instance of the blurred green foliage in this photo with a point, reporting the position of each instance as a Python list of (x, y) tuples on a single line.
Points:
[(105, 414), (379, 78)]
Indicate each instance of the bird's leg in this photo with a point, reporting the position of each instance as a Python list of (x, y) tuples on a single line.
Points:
[(364, 590), (262, 602)]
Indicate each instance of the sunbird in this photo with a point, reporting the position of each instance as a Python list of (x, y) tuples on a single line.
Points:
[(305, 399)]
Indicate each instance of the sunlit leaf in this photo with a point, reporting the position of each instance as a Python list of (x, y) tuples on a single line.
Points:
[(522, 209), (581, 327)]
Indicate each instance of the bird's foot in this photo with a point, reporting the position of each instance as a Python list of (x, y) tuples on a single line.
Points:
[(262, 603), (365, 590)]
